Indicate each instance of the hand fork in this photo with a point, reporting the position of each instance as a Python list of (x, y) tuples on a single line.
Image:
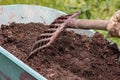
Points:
[(49, 36)]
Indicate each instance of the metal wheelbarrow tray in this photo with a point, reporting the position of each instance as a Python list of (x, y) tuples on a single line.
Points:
[(17, 70)]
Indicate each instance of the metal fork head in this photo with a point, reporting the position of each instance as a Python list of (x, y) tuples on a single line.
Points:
[(49, 36)]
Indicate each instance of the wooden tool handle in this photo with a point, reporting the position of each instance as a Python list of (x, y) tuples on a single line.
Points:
[(89, 24)]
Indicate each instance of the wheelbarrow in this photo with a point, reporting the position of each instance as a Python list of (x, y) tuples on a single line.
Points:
[(11, 68)]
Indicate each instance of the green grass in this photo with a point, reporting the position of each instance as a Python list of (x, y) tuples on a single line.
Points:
[(92, 9)]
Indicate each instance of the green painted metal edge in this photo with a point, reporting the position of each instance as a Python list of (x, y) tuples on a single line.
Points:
[(21, 64)]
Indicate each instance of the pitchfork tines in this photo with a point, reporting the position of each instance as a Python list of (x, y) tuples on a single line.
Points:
[(49, 36)]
